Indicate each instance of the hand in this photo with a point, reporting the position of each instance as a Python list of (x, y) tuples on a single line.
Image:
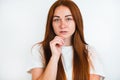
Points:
[(56, 46)]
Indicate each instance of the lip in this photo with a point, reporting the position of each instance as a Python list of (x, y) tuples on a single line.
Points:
[(63, 32)]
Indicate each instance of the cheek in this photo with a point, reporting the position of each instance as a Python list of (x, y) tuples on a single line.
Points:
[(55, 28), (53, 25), (73, 27)]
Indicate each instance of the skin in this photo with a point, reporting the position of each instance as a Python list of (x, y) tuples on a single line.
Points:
[(64, 27), (63, 24)]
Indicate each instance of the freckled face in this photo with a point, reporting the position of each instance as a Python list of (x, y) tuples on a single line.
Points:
[(63, 22)]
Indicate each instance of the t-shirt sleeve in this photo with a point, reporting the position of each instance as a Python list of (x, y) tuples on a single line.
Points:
[(37, 58), (96, 63)]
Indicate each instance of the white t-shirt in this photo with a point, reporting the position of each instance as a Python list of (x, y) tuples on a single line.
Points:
[(37, 60)]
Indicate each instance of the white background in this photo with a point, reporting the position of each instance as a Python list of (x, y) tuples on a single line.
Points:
[(22, 24)]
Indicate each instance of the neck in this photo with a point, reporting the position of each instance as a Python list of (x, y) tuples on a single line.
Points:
[(67, 42)]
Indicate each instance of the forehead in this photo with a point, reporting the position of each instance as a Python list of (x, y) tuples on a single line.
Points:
[(62, 11)]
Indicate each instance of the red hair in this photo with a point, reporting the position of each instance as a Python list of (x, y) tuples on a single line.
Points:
[(80, 53)]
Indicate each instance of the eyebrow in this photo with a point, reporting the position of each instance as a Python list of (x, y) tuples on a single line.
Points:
[(59, 16), (68, 15)]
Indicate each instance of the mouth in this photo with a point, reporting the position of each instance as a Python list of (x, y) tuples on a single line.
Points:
[(63, 32)]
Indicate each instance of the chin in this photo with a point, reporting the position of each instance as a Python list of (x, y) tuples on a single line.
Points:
[(65, 36)]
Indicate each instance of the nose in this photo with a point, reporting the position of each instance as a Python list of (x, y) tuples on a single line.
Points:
[(63, 24)]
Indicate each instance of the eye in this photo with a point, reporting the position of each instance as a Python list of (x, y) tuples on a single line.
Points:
[(56, 20), (69, 19)]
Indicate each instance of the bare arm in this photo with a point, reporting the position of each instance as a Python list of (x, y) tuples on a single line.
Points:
[(36, 73), (94, 77), (50, 72)]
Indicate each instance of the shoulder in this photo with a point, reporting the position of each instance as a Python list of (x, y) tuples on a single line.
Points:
[(93, 54), (91, 51), (37, 48), (96, 64), (36, 57), (90, 48)]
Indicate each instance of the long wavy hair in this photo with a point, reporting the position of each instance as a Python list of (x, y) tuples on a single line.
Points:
[(80, 53)]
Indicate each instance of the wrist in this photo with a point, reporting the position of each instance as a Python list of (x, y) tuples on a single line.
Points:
[(55, 58)]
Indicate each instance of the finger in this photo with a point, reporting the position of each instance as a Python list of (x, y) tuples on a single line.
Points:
[(61, 39), (57, 42)]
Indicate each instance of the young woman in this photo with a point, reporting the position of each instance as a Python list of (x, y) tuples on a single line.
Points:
[(64, 54)]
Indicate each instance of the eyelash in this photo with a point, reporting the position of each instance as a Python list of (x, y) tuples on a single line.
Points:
[(55, 20), (67, 19)]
